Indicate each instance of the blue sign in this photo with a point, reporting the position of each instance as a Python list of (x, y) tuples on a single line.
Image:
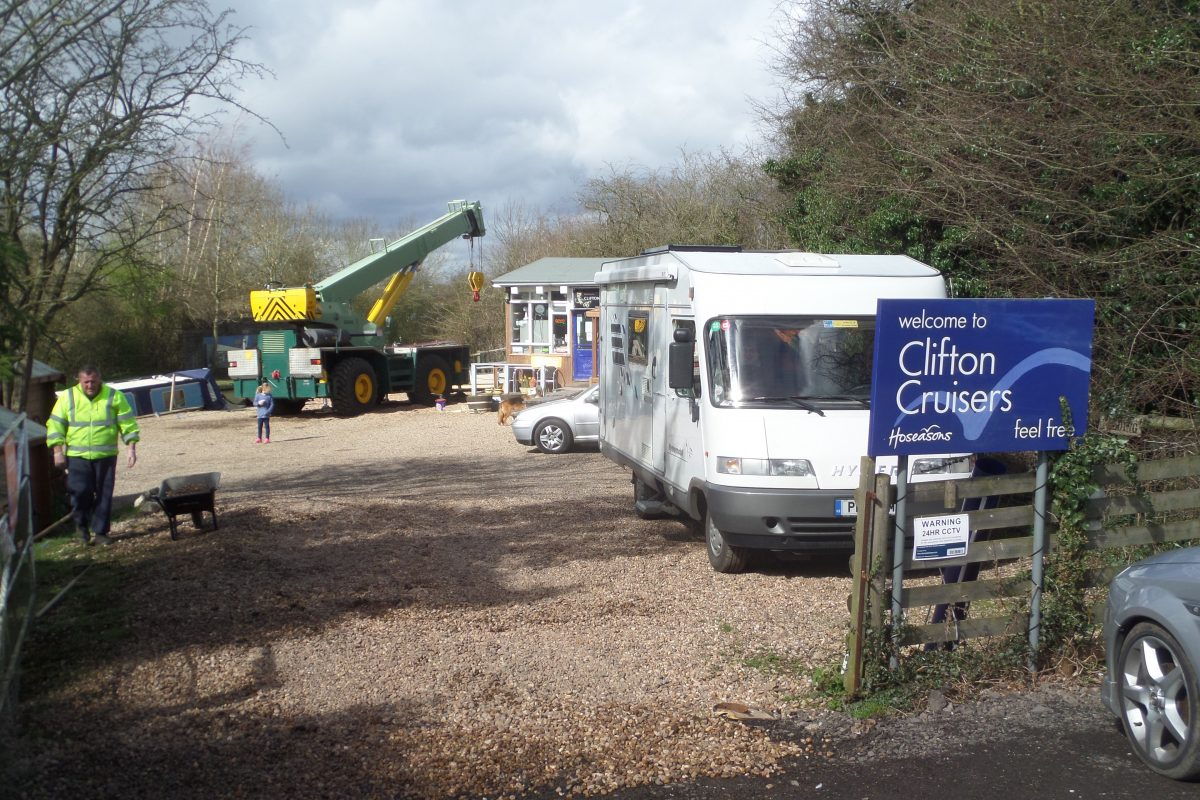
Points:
[(979, 376)]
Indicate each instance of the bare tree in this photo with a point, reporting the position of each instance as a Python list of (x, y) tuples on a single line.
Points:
[(97, 100), (217, 257), (701, 199)]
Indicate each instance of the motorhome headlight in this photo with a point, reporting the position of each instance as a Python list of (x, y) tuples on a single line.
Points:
[(736, 466), (790, 467), (941, 466)]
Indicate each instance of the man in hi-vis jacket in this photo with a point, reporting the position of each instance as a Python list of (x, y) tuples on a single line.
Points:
[(83, 429)]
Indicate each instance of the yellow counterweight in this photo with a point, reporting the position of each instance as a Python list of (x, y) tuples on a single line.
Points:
[(284, 305)]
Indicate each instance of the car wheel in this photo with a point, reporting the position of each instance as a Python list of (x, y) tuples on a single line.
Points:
[(723, 557), (553, 436), (1159, 696)]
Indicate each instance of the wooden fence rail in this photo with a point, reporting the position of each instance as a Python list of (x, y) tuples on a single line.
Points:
[(1126, 513)]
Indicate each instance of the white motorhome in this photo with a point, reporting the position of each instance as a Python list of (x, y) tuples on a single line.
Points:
[(736, 387)]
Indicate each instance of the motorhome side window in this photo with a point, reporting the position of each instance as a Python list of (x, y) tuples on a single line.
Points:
[(637, 333), (690, 326), (790, 361)]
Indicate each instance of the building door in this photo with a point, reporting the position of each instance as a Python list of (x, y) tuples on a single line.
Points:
[(581, 350)]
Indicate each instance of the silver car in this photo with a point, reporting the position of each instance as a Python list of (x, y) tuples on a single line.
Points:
[(1152, 642), (555, 426)]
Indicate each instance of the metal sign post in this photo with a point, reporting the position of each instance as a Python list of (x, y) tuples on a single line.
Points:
[(1039, 553), (898, 549)]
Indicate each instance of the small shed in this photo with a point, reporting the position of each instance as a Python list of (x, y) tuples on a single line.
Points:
[(547, 305), (42, 476), (43, 382)]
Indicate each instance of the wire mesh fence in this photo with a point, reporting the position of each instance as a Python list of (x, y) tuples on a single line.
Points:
[(17, 575)]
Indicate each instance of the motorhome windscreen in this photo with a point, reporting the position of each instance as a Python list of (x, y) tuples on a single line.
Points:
[(790, 361)]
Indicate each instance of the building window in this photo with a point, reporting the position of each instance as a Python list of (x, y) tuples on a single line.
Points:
[(560, 332), (520, 323), (541, 323), (536, 320)]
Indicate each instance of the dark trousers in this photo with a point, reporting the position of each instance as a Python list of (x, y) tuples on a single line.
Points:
[(264, 427), (90, 484)]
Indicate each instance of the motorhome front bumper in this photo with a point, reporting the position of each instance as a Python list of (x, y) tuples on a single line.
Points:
[(781, 519)]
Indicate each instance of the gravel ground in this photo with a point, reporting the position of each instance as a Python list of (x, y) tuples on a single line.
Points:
[(409, 603)]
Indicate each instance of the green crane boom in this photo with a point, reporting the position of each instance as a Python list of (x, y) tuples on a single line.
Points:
[(318, 345)]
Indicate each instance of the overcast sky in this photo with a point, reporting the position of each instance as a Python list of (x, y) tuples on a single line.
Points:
[(390, 109)]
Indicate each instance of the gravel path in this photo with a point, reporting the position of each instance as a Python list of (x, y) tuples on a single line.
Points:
[(409, 603)]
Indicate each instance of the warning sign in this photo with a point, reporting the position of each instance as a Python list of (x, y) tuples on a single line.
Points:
[(940, 537)]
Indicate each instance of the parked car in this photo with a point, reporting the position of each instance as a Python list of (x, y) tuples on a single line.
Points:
[(555, 425), (1152, 646)]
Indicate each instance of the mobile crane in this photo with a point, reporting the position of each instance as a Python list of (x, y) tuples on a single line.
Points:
[(314, 344)]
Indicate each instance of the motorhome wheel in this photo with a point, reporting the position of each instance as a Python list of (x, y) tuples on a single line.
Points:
[(723, 557)]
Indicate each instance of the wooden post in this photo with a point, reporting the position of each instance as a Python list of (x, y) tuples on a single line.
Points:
[(860, 570), (12, 476), (877, 552)]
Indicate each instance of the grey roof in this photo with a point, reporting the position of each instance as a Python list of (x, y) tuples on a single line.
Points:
[(42, 372), (37, 431), (553, 270)]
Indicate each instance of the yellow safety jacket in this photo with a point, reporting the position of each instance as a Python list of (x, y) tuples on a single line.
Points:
[(89, 426)]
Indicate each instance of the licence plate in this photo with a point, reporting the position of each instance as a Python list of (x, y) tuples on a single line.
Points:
[(845, 508)]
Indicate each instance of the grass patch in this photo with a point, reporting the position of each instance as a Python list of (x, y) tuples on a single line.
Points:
[(770, 662), (827, 685), (959, 673), (88, 624)]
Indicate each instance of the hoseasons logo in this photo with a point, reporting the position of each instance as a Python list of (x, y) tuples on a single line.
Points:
[(933, 433)]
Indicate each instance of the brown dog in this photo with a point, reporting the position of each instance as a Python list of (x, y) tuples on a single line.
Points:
[(509, 408)]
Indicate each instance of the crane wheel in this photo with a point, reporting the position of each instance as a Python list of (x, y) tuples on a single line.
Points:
[(286, 407), (433, 378), (353, 387)]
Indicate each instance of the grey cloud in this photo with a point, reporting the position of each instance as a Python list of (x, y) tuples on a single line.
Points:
[(390, 109)]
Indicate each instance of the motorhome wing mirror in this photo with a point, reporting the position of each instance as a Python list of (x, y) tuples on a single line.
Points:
[(679, 366), (684, 334)]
